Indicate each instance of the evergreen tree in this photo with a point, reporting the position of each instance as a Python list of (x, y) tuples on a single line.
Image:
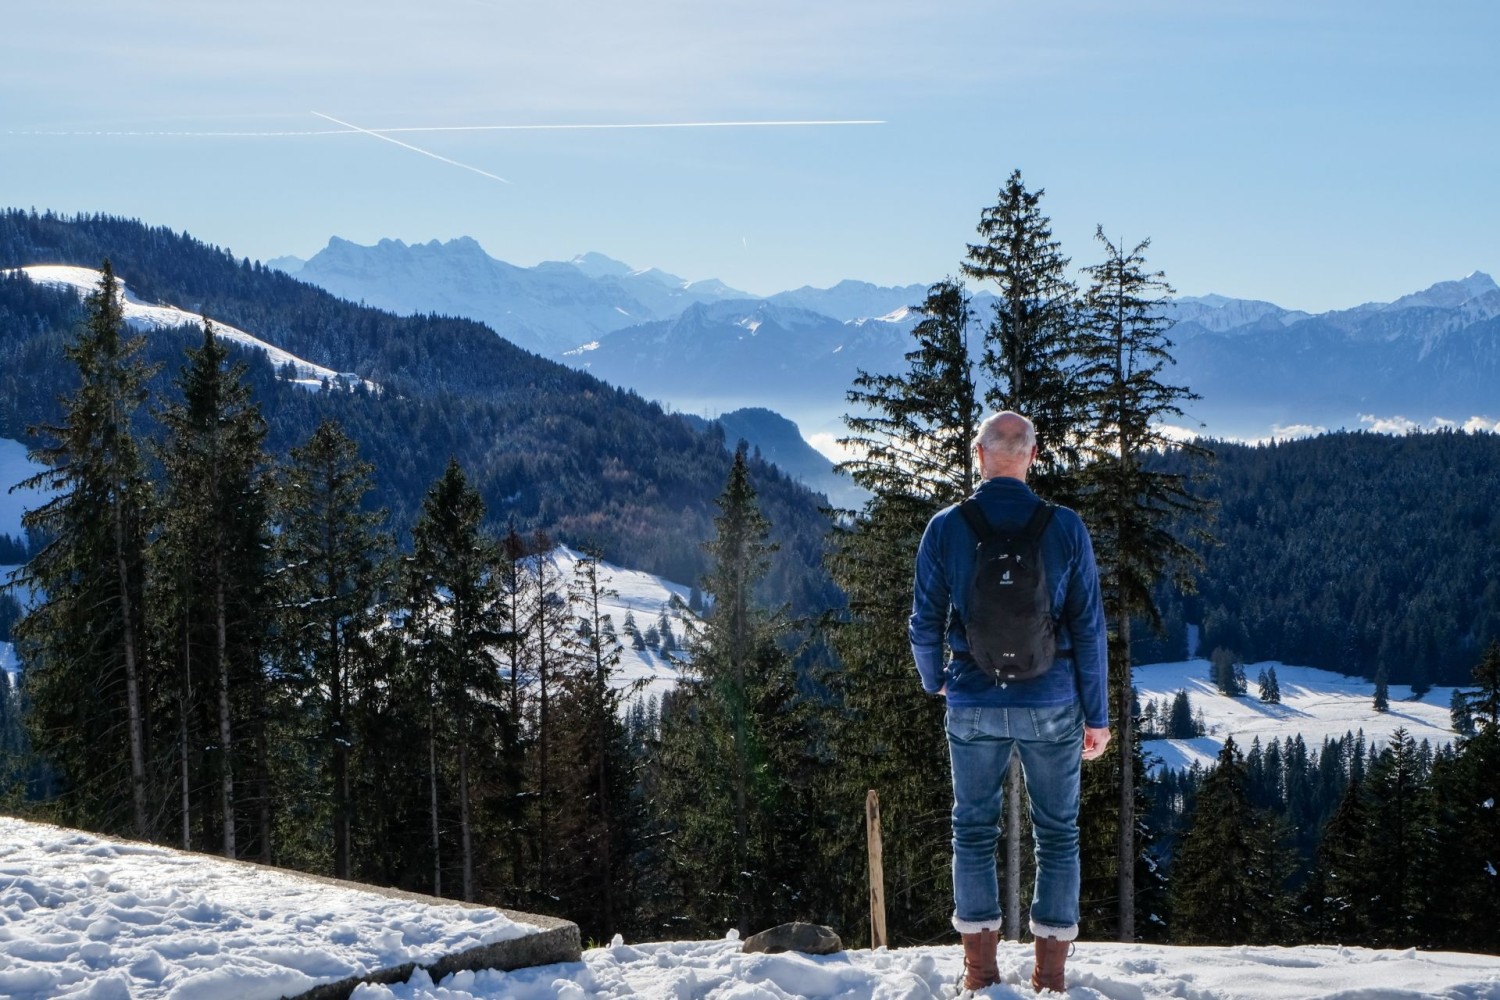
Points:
[(914, 434), (453, 626), (1464, 874), (1223, 879), (90, 685), (550, 660), (1180, 725), (1030, 345), (1270, 689), (1134, 510), (1397, 845), (334, 559), (736, 740), (595, 816), (1382, 691), (212, 558)]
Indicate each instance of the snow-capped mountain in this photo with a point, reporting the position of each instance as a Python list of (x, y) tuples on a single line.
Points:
[(1431, 358), (549, 308), (1424, 359), (745, 353)]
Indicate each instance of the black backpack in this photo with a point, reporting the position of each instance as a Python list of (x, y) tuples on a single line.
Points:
[(1010, 628)]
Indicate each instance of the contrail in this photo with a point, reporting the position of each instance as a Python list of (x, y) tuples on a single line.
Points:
[(631, 125), (384, 132), (414, 149)]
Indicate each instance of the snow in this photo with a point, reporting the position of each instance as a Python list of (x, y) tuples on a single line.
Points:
[(143, 315), (14, 467), (88, 917), (85, 916), (1314, 703), (717, 970), (645, 672)]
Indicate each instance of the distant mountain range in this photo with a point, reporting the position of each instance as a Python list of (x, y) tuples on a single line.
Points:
[(1427, 358)]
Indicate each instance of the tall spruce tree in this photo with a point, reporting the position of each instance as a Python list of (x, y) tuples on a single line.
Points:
[(1134, 510), (1464, 875), (1029, 351), (550, 660), (1398, 844), (912, 432), (731, 736), (334, 559), (1225, 887), (595, 817), (211, 555), (90, 684), (453, 627)]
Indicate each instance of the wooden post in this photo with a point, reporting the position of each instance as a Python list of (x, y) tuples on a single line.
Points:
[(877, 871)]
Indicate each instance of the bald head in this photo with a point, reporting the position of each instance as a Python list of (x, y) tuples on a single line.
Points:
[(1005, 445)]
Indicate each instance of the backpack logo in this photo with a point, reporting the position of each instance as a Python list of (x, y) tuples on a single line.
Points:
[(1009, 625)]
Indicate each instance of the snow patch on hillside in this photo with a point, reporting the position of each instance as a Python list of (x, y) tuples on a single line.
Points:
[(1314, 704), (645, 598), (145, 316), (14, 468)]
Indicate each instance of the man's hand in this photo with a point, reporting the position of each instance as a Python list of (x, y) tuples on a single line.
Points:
[(1094, 742)]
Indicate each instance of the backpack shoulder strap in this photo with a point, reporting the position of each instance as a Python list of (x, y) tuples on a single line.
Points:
[(973, 514), (1040, 518)]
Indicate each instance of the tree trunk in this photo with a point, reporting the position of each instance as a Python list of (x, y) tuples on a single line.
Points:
[(465, 833), (1126, 854), (184, 705), (132, 685), (432, 787), (341, 794), (226, 744)]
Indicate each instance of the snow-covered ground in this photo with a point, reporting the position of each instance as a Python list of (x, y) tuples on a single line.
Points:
[(643, 596), (14, 468), (717, 970), (144, 315), (1314, 703), (87, 918)]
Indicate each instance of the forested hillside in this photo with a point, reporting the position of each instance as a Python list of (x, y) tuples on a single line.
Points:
[(547, 447), (1354, 552)]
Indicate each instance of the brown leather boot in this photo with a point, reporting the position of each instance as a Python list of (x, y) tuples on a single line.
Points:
[(980, 966), (1051, 956)]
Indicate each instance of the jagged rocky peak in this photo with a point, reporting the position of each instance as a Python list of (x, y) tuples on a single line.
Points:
[(1450, 294)]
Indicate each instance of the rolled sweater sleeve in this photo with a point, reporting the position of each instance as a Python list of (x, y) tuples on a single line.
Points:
[(929, 609), (1083, 612)]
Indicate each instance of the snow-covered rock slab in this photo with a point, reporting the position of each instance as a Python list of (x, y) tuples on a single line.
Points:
[(90, 917)]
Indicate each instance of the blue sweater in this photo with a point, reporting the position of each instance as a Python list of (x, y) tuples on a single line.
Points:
[(945, 564)]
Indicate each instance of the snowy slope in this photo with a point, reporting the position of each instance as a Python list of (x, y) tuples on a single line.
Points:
[(145, 316), (644, 596), (93, 919), (1314, 703), (14, 467)]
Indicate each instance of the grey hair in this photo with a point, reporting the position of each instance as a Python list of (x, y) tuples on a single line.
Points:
[(1007, 433)]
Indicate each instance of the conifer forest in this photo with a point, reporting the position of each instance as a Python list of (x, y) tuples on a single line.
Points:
[(317, 629)]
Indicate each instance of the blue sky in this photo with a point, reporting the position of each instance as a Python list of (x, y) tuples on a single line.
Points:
[(1316, 154)]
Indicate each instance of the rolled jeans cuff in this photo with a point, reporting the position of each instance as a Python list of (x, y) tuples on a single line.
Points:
[(975, 926), (1048, 931)]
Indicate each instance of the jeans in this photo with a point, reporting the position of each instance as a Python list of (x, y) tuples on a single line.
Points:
[(1050, 743)]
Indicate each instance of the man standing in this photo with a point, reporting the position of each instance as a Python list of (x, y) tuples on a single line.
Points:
[(1054, 720)]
